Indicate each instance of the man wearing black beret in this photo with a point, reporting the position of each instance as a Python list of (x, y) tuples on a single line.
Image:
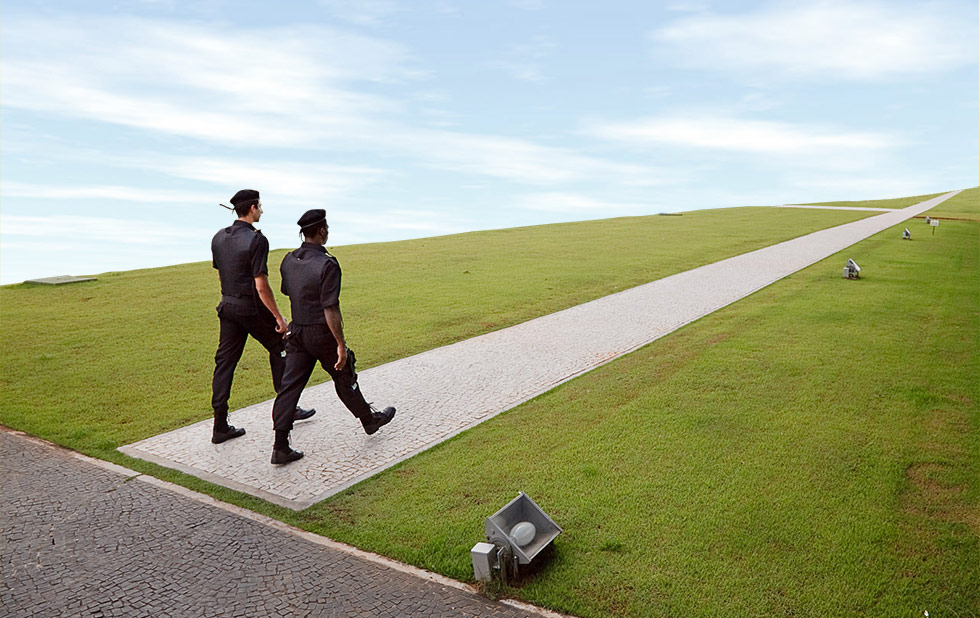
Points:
[(311, 279), (247, 307)]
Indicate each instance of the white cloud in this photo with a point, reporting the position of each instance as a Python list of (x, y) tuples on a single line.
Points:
[(279, 86), (830, 38), (104, 192), (95, 244), (289, 181), (738, 135), (517, 159), (99, 229), (297, 87)]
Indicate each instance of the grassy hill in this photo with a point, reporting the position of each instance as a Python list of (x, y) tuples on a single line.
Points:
[(809, 450), (97, 365)]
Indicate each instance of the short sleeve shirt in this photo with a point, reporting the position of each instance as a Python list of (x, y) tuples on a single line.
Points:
[(259, 253), (330, 283)]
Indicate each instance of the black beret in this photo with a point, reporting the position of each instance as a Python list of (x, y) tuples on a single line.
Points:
[(244, 196), (311, 217)]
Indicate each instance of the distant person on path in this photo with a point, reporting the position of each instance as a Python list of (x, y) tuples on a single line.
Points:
[(311, 279), (247, 307)]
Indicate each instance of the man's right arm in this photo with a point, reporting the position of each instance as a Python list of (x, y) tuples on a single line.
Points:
[(335, 322), (269, 300), (259, 254)]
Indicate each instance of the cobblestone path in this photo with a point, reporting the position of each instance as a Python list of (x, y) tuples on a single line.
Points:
[(81, 539), (442, 392)]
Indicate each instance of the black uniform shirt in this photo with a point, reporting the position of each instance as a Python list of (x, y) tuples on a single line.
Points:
[(311, 280)]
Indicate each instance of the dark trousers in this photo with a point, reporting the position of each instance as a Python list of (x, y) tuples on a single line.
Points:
[(306, 345), (237, 323)]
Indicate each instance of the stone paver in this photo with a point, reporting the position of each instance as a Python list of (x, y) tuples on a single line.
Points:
[(442, 392), (84, 540)]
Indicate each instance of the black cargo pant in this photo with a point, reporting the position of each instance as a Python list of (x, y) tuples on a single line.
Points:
[(305, 345), (237, 323)]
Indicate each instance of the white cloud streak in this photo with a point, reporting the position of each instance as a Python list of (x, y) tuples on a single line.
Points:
[(830, 38), (105, 192), (299, 183), (98, 229), (286, 88), (515, 159), (738, 135)]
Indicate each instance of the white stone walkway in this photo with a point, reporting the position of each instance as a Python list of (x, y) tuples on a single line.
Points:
[(442, 392)]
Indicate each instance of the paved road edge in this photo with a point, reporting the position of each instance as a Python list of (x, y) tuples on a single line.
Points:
[(281, 526)]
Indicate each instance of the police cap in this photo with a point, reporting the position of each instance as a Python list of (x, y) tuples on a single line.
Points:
[(244, 196), (312, 217)]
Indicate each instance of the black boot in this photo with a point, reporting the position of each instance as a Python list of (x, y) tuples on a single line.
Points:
[(223, 432), (302, 415), (377, 420), (281, 452)]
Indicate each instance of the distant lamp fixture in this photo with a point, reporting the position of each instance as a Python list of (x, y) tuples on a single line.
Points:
[(516, 535), (852, 270), (906, 235), (928, 220)]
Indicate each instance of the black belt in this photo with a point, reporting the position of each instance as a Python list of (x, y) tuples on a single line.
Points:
[(310, 325), (238, 300)]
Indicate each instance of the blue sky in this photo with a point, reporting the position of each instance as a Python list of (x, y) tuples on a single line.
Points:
[(125, 122)]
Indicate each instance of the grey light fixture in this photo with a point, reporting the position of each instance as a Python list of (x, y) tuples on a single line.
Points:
[(906, 235), (516, 535), (852, 270)]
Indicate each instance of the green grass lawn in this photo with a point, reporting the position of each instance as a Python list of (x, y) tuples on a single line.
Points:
[(900, 202), (810, 450), (966, 205)]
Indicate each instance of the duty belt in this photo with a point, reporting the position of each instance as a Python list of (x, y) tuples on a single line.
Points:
[(238, 300)]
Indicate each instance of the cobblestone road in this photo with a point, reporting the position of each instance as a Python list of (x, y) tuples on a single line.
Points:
[(442, 392), (83, 540)]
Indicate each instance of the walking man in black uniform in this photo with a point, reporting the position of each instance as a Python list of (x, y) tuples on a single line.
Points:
[(311, 279), (247, 307)]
